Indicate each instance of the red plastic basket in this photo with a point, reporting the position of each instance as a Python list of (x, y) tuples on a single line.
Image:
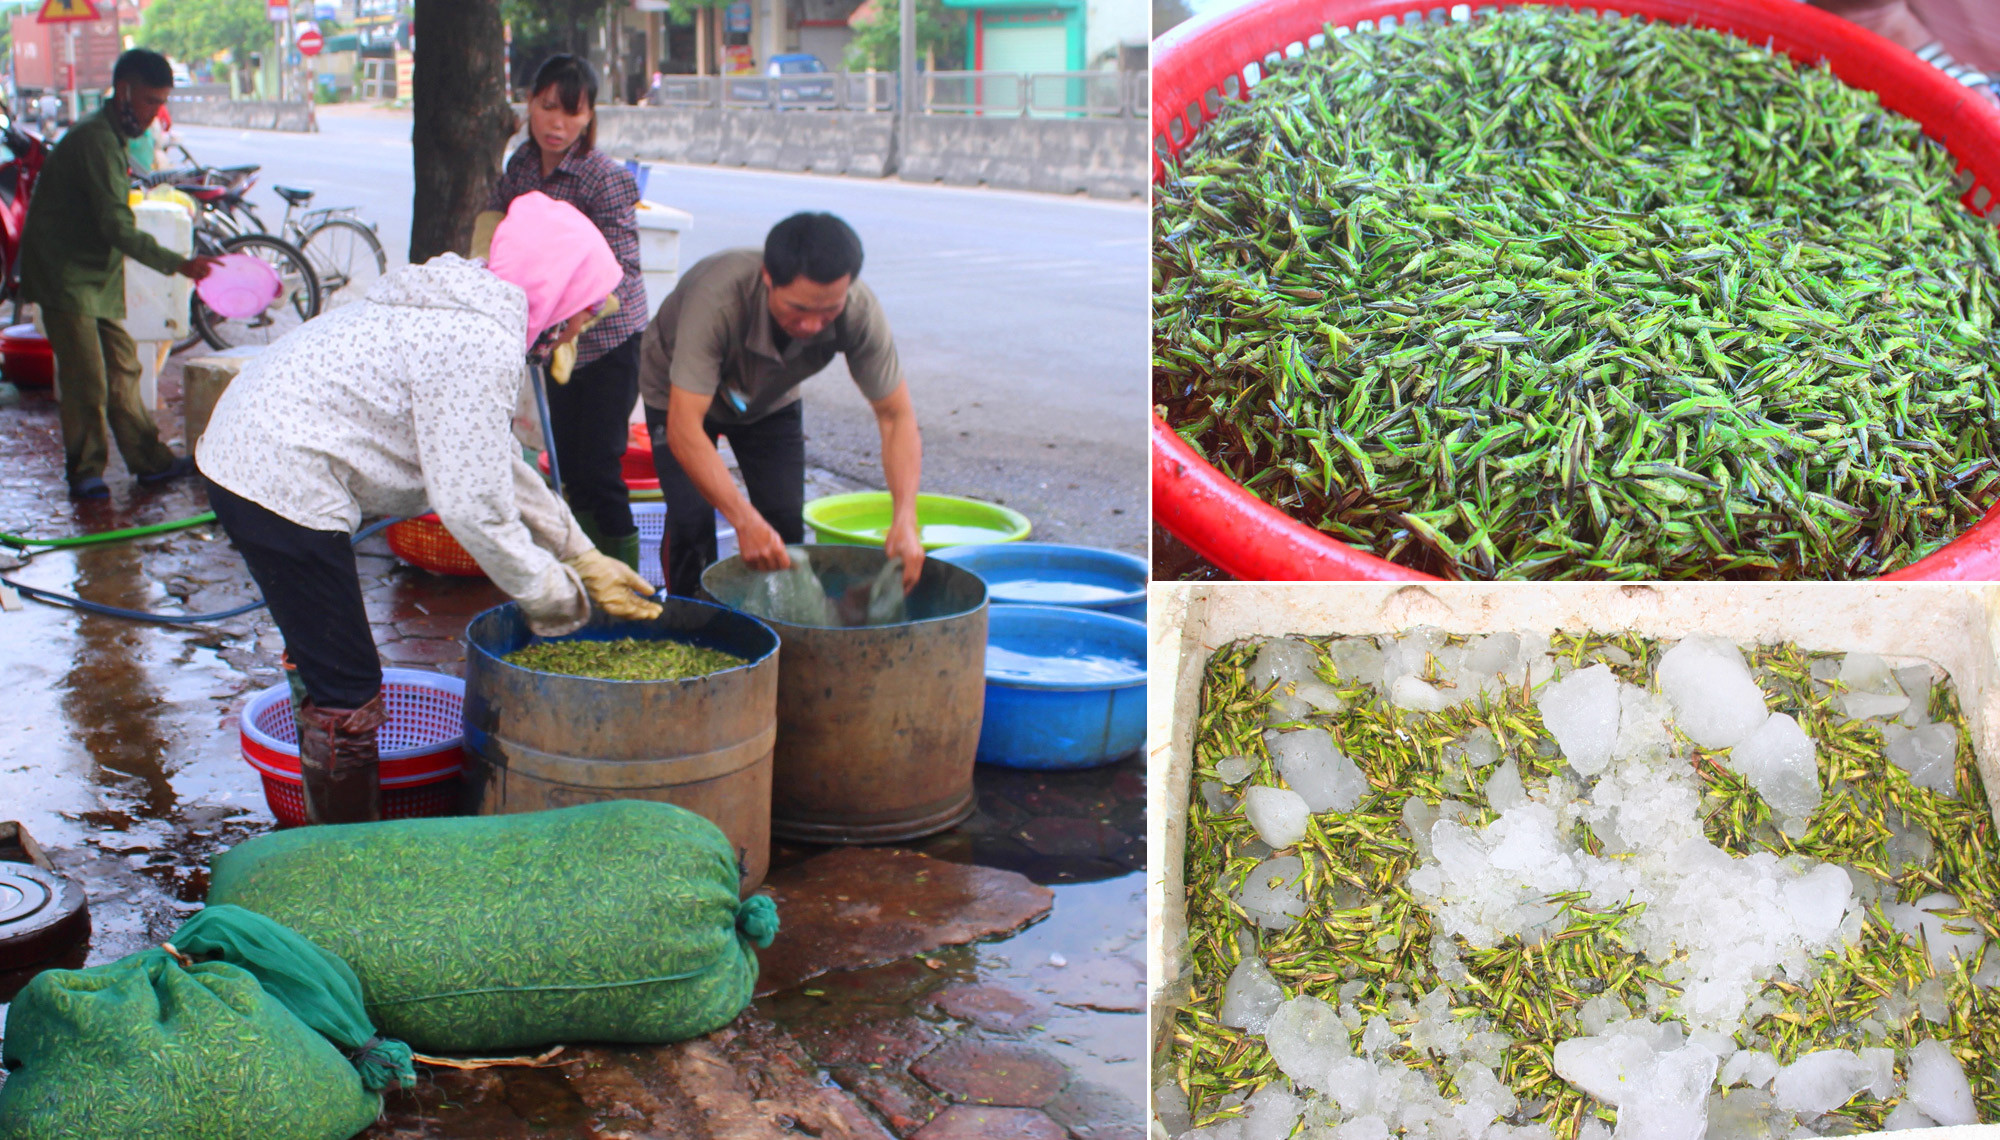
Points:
[(421, 746), (1198, 65), (423, 542), (26, 358)]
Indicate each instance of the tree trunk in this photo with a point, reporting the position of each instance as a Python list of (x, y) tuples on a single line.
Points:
[(462, 120)]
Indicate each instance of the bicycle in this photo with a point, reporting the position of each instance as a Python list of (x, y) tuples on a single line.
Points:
[(225, 222), (343, 248)]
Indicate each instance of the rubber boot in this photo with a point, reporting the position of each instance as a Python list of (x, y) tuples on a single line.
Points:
[(624, 549), (588, 525), (340, 762)]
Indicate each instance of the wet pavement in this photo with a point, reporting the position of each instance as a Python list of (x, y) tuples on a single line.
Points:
[(1018, 1015)]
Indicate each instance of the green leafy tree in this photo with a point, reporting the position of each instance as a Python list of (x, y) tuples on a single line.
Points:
[(191, 30), (940, 36)]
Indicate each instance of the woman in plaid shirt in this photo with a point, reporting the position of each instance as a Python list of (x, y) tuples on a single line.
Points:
[(588, 415)]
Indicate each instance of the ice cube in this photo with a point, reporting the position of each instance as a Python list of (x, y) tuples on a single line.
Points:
[(1601, 1011), (1922, 915), (1916, 681), (1816, 901), (1291, 665), (1866, 673), (1409, 654), (1778, 759), (1745, 1115), (1316, 770), (1716, 703), (1270, 896), (1864, 706), (1278, 814), (1881, 1066), (1250, 996), (1906, 1115), (1753, 1067), (1480, 748), (1215, 795), (1418, 817), (1411, 692), (1989, 968), (1494, 655), (1937, 1084), (1503, 788), (1305, 1038), (1379, 1036), (1820, 1081), (1234, 769), (1612, 1068), (1581, 712), (1483, 1093), (1908, 842), (1356, 661), (1931, 1001), (1642, 725), (1363, 1128), (1273, 1114), (1929, 754)]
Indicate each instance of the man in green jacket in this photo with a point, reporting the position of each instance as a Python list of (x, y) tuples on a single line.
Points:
[(79, 232)]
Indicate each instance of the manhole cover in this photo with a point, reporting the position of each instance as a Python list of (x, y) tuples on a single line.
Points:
[(41, 915)]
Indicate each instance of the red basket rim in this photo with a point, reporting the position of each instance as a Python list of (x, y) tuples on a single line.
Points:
[(1198, 64)]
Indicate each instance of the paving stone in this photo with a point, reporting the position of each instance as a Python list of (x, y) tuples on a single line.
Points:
[(906, 1103), (989, 1072), (448, 626), (1092, 1112), (969, 1122), (991, 1006), (866, 906), (422, 651), (855, 1034), (1107, 983)]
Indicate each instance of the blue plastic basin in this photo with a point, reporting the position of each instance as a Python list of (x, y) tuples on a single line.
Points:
[(1051, 574), (1065, 688)]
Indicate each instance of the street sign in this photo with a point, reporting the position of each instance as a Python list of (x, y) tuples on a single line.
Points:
[(310, 41), (278, 10), (68, 11)]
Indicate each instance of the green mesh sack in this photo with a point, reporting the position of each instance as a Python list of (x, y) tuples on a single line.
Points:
[(613, 921), (146, 1049)]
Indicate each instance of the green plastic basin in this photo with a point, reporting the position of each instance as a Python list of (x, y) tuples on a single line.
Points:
[(862, 519)]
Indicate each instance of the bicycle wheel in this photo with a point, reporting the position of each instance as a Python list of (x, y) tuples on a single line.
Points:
[(347, 257), (298, 298)]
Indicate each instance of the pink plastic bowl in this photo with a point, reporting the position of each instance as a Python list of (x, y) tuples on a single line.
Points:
[(239, 286)]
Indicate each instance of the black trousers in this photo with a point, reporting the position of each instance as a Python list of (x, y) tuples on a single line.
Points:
[(308, 577), (589, 418), (770, 453)]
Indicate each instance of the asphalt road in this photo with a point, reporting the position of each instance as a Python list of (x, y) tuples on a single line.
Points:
[(1020, 318)]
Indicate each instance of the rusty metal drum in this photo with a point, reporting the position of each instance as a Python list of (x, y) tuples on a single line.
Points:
[(537, 740), (878, 726)]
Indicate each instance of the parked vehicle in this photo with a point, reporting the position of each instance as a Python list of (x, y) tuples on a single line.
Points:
[(19, 167), (793, 79)]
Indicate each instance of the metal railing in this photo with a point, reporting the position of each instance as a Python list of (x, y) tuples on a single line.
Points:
[(1114, 94)]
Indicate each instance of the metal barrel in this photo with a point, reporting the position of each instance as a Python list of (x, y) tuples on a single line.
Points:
[(878, 726), (538, 740)]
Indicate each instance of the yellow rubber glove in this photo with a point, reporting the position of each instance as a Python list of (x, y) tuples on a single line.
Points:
[(617, 589), (563, 360)]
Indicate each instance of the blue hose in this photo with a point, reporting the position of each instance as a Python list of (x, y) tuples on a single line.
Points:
[(75, 603)]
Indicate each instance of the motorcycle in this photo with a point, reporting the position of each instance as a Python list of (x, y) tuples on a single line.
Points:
[(25, 153)]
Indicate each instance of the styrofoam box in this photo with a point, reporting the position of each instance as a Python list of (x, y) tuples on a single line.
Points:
[(1950, 625), (156, 304), (660, 230)]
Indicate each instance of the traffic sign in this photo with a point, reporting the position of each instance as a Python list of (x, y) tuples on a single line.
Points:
[(68, 11), (310, 41), (278, 10)]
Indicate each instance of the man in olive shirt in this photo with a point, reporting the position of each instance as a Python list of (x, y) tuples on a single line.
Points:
[(725, 355), (78, 234)]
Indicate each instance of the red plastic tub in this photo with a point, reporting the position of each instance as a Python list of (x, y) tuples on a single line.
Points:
[(638, 463), (1198, 65), (26, 358), (421, 746)]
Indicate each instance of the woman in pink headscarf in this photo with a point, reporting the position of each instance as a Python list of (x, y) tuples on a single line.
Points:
[(401, 404)]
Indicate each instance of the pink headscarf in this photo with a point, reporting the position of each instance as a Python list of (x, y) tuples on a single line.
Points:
[(557, 256)]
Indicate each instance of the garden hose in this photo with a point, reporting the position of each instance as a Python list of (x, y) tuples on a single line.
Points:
[(129, 532), (69, 601)]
